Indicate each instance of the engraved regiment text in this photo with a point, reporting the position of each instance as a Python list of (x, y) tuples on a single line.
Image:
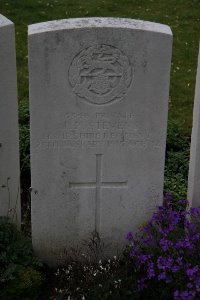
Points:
[(94, 130)]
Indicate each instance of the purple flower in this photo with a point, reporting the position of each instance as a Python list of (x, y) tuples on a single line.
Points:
[(142, 258), (166, 248), (129, 236), (179, 261), (164, 263), (189, 285), (150, 271), (196, 237), (197, 283), (183, 213), (165, 244), (162, 276), (175, 268), (186, 243), (146, 228), (192, 227), (191, 271), (183, 202), (174, 218), (185, 295), (134, 253), (141, 284), (186, 223), (167, 199), (195, 211)]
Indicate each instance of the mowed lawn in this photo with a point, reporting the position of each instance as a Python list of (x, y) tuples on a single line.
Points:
[(183, 16)]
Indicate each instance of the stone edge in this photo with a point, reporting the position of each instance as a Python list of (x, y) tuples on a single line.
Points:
[(98, 23), (4, 21)]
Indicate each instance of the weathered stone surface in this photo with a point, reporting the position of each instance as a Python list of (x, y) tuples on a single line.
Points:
[(99, 101), (194, 167), (9, 139)]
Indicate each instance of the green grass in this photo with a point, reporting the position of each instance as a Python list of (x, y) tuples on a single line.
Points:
[(182, 16)]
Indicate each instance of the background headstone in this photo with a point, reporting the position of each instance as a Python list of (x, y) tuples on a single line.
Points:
[(99, 102), (194, 167), (9, 136)]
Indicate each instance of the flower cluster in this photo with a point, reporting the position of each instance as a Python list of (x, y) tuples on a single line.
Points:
[(167, 250)]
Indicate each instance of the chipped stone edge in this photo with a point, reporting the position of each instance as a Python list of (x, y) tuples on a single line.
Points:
[(98, 23), (5, 22)]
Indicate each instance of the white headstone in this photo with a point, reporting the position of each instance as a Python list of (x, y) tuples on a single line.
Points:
[(99, 101), (194, 167), (9, 136)]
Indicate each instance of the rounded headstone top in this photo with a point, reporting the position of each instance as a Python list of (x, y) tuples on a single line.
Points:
[(98, 22), (4, 21)]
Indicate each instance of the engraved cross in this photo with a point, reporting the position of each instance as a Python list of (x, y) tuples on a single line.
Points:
[(98, 185)]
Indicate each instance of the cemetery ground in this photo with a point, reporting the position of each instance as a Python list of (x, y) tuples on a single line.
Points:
[(114, 279)]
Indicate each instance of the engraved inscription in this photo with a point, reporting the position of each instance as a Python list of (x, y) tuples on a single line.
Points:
[(98, 185), (100, 74), (97, 130)]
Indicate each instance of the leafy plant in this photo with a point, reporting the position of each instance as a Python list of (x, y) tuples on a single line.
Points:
[(177, 160), (20, 271), (24, 135), (177, 184), (110, 279), (25, 286)]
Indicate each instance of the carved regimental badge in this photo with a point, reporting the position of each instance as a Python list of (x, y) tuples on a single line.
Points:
[(100, 74)]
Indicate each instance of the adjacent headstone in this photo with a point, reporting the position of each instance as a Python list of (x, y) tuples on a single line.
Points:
[(9, 137), (99, 101), (194, 167)]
